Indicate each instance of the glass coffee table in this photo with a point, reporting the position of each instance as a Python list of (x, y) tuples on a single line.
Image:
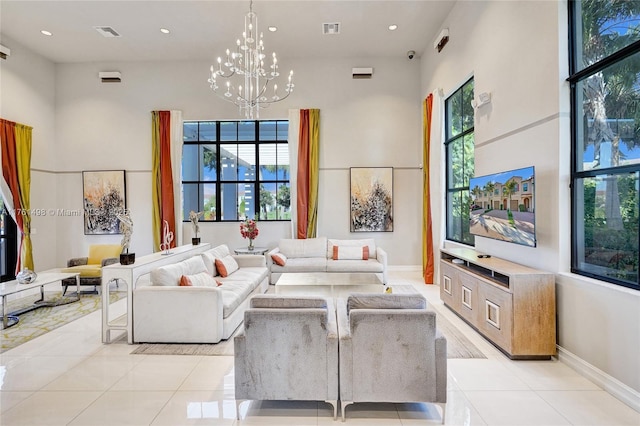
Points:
[(44, 278)]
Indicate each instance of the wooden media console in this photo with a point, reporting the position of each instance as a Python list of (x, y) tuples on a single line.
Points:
[(511, 305)]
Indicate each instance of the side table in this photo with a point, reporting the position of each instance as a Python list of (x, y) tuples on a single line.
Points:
[(256, 250)]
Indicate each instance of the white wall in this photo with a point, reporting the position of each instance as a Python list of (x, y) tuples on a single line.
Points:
[(27, 85), (518, 52), (363, 123)]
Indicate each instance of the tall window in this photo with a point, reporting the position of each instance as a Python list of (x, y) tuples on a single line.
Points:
[(459, 161), (605, 116), (233, 170)]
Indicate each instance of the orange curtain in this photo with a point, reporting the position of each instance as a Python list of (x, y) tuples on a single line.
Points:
[(427, 231), (162, 187), (303, 175), (16, 167)]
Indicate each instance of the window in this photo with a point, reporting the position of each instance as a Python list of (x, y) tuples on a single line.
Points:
[(234, 170), (459, 147), (605, 169)]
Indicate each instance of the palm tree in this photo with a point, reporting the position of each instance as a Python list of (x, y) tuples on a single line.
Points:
[(509, 188), (477, 193), (611, 92), (490, 187)]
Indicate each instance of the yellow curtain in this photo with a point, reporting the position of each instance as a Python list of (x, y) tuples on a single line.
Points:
[(314, 165), (427, 231), (23, 157), (162, 180), (15, 144), (155, 179)]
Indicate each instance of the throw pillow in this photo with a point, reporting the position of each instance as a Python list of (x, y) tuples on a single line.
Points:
[(202, 279), (279, 259), (209, 262), (226, 266), (350, 253)]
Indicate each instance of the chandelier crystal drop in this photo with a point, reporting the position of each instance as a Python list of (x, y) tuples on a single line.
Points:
[(243, 78)]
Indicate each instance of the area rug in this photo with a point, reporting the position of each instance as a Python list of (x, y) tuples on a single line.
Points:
[(458, 346), (45, 319)]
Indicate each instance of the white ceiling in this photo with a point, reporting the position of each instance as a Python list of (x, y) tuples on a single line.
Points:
[(202, 30)]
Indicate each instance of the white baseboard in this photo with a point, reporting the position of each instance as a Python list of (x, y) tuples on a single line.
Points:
[(615, 387)]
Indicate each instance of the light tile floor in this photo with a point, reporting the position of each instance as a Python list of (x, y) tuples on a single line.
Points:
[(68, 377)]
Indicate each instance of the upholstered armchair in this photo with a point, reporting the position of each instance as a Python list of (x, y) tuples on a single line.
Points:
[(390, 351), (288, 351), (90, 267)]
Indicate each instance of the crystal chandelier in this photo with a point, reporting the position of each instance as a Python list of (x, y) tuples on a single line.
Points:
[(243, 77)]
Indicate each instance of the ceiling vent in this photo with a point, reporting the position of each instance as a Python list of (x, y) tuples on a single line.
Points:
[(331, 28), (110, 76), (362, 72), (4, 52), (443, 38), (107, 32)]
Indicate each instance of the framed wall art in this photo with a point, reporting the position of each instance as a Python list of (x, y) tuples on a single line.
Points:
[(104, 197), (371, 199)]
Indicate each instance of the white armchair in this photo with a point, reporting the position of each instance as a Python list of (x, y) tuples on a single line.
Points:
[(288, 351), (390, 351)]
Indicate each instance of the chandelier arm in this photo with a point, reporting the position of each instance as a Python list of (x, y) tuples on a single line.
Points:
[(222, 75), (269, 102), (228, 99)]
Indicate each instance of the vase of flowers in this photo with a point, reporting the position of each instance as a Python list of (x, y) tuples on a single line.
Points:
[(249, 229)]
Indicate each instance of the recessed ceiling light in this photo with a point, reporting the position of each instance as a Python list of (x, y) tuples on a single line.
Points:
[(393, 27), (273, 29), (45, 32), (164, 31)]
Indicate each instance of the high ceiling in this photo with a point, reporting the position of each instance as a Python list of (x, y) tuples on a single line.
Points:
[(202, 30)]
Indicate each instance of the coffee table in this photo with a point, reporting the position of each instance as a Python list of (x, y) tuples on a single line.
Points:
[(44, 278), (333, 284)]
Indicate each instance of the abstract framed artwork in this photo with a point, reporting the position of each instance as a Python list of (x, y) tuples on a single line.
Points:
[(371, 199), (104, 197)]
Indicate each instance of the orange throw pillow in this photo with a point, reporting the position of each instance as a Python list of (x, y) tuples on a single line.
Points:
[(201, 279), (279, 259), (350, 253), (226, 266)]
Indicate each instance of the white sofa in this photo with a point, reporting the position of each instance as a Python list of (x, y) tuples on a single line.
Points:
[(319, 255), (166, 312)]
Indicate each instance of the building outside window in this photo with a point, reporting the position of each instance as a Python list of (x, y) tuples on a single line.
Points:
[(459, 148), (234, 170), (605, 169)]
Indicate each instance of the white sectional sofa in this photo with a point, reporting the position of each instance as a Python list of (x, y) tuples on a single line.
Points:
[(323, 254), (207, 311)]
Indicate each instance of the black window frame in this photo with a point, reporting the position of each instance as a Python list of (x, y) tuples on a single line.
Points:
[(449, 188), (9, 243), (281, 138), (577, 74)]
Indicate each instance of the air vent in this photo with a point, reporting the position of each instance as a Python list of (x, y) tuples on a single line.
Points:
[(4, 52), (110, 76), (107, 31), (362, 72), (331, 28)]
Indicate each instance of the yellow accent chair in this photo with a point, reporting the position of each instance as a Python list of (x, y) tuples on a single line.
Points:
[(90, 267)]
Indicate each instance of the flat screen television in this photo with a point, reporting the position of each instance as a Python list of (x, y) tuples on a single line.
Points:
[(503, 206)]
